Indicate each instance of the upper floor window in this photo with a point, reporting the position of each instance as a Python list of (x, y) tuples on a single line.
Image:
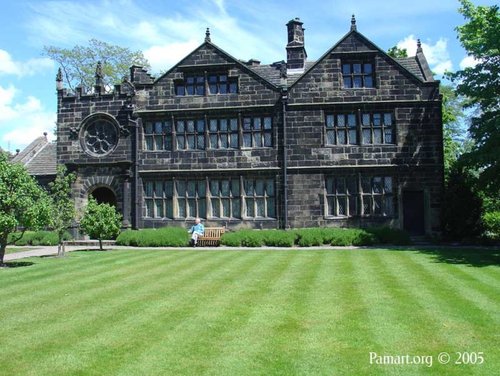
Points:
[(357, 75), (209, 133), (158, 135), (341, 129), (206, 84), (345, 129), (257, 132), (190, 134)]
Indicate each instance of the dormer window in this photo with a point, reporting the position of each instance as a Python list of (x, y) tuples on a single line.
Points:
[(357, 75), (206, 84)]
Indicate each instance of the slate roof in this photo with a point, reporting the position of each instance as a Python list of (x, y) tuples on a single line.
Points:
[(412, 65), (39, 157), (271, 72)]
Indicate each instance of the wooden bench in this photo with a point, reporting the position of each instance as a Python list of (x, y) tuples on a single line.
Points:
[(211, 237)]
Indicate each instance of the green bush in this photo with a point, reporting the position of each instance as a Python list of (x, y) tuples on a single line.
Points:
[(278, 238), (309, 237), (491, 223), (387, 235), (251, 238), (163, 237), (37, 238), (231, 239)]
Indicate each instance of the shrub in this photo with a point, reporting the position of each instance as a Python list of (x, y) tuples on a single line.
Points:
[(37, 238), (163, 237), (308, 237), (231, 239), (387, 235), (278, 238), (491, 222), (245, 238)]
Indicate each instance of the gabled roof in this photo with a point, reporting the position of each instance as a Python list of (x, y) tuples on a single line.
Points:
[(414, 65), (39, 157), (268, 79)]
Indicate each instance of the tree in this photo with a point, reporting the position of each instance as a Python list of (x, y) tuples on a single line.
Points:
[(454, 141), (397, 52), (78, 64), (481, 85), (100, 221), (63, 208), (23, 203)]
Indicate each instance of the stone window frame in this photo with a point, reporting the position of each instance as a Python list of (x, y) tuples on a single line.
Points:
[(337, 133), (108, 124), (192, 132), (238, 138), (206, 83), (172, 198), (360, 195), (351, 74), (257, 131)]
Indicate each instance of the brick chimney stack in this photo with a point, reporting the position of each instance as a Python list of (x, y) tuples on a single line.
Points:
[(295, 50)]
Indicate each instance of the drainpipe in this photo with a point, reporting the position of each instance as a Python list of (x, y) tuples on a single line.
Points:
[(135, 224), (284, 102), (134, 123)]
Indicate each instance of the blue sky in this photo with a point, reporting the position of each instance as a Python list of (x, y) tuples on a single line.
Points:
[(167, 30)]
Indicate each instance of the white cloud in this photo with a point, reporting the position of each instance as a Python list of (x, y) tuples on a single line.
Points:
[(437, 54), (23, 120), (468, 61), (165, 56), (8, 66)]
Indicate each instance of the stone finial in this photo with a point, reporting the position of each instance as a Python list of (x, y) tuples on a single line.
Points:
[(98, 74), (207, 35), (45, 134), (353, 23), (59, 79), (419, 46)]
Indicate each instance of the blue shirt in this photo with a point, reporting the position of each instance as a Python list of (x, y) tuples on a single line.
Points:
[(199, 228)]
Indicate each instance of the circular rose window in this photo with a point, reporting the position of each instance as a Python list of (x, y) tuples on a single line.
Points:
[(99, 135)]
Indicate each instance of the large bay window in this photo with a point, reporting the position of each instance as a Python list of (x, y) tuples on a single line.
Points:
[(226, 198)]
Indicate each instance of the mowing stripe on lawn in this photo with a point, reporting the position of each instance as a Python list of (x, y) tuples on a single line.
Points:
[(207, 328), (54, 269), (58, 287), (337, 319), (448, 334), (139, 323), (462, 292), (91, 319)]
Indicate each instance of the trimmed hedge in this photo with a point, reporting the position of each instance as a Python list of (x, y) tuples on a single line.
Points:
[(309, 237), (305, 237), (38, 238), (162, 237)]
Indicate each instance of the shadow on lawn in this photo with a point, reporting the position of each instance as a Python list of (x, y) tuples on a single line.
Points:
[(479, 257), (16, 264)]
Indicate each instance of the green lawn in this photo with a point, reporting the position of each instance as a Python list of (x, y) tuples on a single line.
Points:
[(290, 312)]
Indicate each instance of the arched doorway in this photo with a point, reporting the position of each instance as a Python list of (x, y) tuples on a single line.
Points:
[(104, 195)]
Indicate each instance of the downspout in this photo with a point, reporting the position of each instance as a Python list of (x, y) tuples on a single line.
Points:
[(284, 102), (135, 224), (134, 123)]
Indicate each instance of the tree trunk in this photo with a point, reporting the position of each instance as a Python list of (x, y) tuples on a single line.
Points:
[(60, 249), (100, 244), (3, 246), (60, 246)]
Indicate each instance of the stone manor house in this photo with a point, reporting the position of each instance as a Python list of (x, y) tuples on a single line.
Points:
[(351, 139)]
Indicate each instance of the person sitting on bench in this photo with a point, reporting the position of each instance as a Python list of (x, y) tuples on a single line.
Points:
[(196, 230)]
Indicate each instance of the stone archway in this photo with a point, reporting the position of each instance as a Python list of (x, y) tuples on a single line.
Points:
[(104, 195)]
